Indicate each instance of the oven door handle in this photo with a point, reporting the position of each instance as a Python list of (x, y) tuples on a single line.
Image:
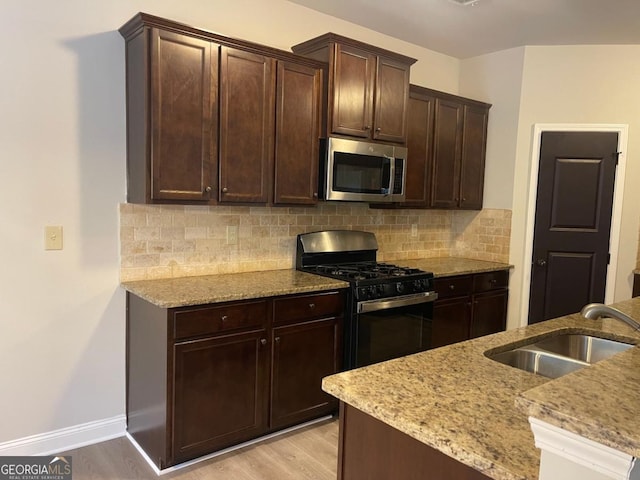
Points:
[(373, 305)]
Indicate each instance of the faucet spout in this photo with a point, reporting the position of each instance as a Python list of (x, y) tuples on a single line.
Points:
[(597, 310)]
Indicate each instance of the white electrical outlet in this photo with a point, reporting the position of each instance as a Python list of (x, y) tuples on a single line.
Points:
[(414, 230), (232, 235), (53, 237)]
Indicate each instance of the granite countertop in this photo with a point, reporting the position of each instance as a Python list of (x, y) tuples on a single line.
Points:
[(475, 410), (200, 290), (448, 266)]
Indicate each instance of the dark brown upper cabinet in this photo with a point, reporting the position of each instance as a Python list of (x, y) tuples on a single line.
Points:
[(446, 143), (368, 88), (211, 119)]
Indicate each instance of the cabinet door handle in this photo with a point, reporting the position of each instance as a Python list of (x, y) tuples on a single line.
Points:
[(225, 190), (452, 287), (277, 339), (312, 306), (378, 129), (367, 127), (263, 341), (224, 318), (207, 189)]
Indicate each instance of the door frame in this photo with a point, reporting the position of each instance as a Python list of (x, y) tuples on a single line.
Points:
[(616, 214)]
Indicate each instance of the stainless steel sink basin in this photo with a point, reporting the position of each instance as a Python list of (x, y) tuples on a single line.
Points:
[(582, 347), (561, 354), (542, 363)]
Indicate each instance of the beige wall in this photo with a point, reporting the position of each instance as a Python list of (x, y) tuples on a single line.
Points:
[(173, 241)]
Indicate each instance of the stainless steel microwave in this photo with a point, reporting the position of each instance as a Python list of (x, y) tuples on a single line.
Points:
[(360, 171)]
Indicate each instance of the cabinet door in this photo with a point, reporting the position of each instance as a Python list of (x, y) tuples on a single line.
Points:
[(446, 154), (419, 146), (474, 141), (451, 321), (247, 87), (489, 312), (353, 81), (391, 101), (303, 354), (184, 81), (298, 116), (219, 392)]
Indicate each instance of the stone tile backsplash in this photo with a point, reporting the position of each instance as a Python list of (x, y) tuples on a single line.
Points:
[(159, 241)]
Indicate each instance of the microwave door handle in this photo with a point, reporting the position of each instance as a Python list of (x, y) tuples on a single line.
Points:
[(392, 173)]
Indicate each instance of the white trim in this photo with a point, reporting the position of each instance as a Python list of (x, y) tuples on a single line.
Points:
[(580, 450), (66, 439), (219, 452), (616, 214)]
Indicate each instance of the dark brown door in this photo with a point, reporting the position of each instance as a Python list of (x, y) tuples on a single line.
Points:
[(391, 100), (298, 116), (352, 108), (302, 355), (572, 222), (419, 147), (184, 77), (447, 146), (220, 392), (247, 90), (474, 141)]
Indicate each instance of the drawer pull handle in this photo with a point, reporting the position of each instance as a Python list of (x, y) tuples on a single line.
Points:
[(263, 341), (452, 287), (277, 339), (312, 306), (224, 318)]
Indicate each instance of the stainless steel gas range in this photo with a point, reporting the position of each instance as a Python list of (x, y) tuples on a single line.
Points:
[(389, 307)]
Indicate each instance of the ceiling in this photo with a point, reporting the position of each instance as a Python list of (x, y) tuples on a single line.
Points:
[(491, 25)]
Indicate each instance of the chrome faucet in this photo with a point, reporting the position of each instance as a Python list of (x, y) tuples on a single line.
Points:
[(597, 310)]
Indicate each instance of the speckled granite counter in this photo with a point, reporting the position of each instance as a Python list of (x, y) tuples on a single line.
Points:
[(475, 410), (447, 266), (180, 292)]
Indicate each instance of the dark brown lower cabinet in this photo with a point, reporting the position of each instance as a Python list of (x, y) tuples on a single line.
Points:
[(372, 450), (219, 392), (469, 306), (206, 377), (296, 392)]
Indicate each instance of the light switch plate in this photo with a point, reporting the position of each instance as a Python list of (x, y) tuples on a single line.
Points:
[(53, 237)]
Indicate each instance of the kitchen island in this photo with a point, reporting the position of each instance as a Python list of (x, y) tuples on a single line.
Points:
[(473, 410)]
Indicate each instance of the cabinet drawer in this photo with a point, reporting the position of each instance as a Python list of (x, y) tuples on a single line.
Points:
[(453, 286), (307, 307), (204, 321), (490, 280)]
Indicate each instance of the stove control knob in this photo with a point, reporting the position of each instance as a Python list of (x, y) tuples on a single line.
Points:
[(400, 287)]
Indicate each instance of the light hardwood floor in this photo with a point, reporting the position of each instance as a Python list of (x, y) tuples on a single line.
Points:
[(309, 453)]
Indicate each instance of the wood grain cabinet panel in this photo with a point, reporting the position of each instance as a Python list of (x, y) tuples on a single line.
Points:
[(446, 141), (469, 306), (246, 126), (298, 123), (212, 119), (172, 82), (219, 393), (368, 89)]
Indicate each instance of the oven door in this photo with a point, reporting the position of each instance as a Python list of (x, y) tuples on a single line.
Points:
[(391, 328)]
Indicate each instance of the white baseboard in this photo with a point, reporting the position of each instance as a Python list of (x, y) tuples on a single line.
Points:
[(66, 438)]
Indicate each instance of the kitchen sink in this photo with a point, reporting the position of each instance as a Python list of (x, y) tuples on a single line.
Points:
[(561, 354), (582, 347)]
